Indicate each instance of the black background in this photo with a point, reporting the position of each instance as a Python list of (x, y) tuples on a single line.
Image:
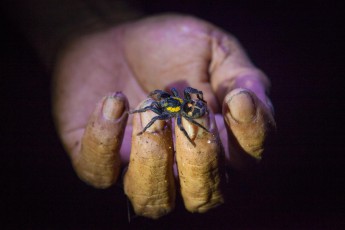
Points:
[(300, 181)]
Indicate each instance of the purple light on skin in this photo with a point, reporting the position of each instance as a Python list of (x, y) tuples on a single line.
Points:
[(254, 82)]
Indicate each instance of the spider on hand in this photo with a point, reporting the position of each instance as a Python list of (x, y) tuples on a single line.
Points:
[(167, 106)]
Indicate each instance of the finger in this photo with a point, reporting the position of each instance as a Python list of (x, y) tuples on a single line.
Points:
[(230, 68), (232, 72), (149, 180), (98, 162), (200, 164), (249, 122)]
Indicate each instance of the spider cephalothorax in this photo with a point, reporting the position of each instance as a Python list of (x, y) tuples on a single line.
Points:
[(167, 106)]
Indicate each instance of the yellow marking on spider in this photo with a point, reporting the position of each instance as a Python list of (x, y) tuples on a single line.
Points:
[(179, 99), (173, 109)]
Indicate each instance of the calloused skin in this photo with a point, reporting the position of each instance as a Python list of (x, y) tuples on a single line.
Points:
[(159, 53)]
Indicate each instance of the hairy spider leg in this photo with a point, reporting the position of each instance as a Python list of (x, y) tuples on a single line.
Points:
[(160, 94), (150, 107), (179, 124), (194, 122), (174, 92), (199, 94), (163, 116)]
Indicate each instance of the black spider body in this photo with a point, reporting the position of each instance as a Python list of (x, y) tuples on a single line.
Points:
[(167, 106)]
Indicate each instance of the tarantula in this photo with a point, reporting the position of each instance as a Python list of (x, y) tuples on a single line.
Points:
[(167, 106)]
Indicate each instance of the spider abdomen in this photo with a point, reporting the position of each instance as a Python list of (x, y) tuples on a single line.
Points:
[(172, 104)]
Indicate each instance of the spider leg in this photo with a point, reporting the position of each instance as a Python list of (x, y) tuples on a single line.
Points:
[(160, 94), (163, 116), (196, 123), (179, 124), (189, 90), (187, 94), (201, 98), (150, 107), (174, 92)]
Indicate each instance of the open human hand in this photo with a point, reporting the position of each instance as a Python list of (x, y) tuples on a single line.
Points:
[(100, 76)]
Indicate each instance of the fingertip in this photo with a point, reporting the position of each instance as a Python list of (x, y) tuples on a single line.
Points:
[(109, 117), (114, 106), (240, 105), (194, 131), (248, 121), (142, 119)]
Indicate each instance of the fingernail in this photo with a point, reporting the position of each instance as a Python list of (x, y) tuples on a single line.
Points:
[(147, 116), (113, 107), (242, 107), (194, 130)]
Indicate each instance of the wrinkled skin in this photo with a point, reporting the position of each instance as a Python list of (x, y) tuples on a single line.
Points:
[(160, 53)]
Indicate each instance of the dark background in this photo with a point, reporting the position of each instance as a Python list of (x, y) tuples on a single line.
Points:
[(299, 184)]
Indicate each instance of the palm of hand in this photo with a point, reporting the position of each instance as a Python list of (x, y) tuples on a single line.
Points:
[(134, 59), (160, 53)]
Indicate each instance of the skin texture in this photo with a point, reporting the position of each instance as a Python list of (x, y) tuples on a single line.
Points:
[(249, 123), (149, 181), (98, 162), (201, 167), (158, 52)]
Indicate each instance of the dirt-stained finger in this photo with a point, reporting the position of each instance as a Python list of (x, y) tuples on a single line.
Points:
[(149, 181), (98, 162), (249, 122), (200, 166)]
